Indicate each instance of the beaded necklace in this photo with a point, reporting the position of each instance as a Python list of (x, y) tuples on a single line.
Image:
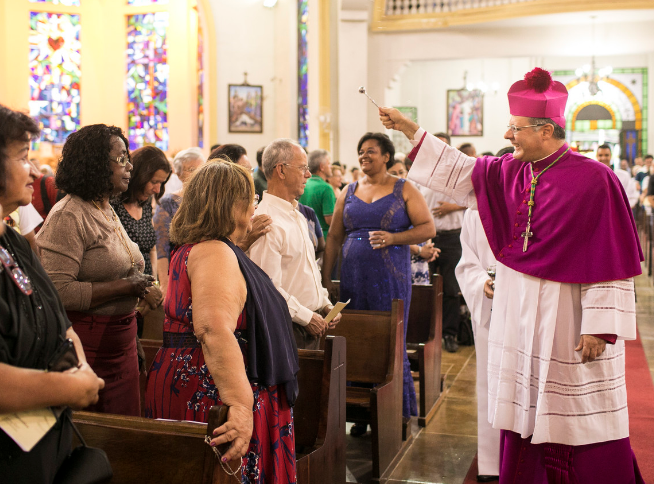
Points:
[(117, 230), (534, 181)]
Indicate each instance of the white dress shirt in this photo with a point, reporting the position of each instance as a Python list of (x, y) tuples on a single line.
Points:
[(287, 255), (629, 185), (452, 220), (28, 219)]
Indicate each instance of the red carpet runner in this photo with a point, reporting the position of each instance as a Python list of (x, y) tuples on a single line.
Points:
[(640, 397)]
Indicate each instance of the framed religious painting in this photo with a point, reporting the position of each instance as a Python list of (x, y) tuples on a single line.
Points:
[(465, 110), (245, 108)]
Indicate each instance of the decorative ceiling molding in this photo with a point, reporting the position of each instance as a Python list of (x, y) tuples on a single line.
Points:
[(382, 22)]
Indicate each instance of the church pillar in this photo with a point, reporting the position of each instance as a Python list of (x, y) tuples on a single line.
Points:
[(182, 126), (352, 73)]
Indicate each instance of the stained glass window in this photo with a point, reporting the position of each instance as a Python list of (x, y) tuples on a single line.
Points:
[(137, 3), (147, 80), (200, 85), (303, 76), (54, 62), (69, 3)]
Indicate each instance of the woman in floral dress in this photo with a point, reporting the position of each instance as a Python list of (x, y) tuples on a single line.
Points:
[(227, 333)]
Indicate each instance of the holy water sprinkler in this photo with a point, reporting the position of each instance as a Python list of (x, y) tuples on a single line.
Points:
[(362, 90)]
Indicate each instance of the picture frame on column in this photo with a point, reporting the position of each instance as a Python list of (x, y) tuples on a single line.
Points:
[(245, 103)]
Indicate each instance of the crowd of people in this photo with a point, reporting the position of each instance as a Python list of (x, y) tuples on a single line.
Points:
[(245, 261)]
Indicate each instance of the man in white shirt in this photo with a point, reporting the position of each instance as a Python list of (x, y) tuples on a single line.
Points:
[(628, 183), (477, 287), (286, 253)]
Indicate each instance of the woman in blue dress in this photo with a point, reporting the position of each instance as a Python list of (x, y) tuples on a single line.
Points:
[(375, 220)]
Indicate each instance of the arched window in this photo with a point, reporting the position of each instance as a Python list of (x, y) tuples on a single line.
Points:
[(121, 62)]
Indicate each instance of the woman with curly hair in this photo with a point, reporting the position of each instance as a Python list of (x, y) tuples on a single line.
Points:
[(94, 265), (134, 209)]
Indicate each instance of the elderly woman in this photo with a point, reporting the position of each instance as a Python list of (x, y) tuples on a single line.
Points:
[(185, 163), (33, 325), (227, 332), (375, 221), (336, 179), (94, 265)]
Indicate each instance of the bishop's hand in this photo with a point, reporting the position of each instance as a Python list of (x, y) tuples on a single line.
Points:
[(489, 289), (591, 347), (391, 118)]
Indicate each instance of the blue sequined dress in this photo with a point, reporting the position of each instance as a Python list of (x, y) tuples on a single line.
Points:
[(373, 278)]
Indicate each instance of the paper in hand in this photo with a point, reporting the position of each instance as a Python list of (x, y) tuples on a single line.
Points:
[(337, 309), (29, 427)]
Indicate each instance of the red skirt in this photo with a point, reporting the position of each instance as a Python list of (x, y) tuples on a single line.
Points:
[(110, 346)]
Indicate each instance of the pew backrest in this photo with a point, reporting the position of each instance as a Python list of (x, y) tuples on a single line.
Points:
[(370, 337), (426, 311), (147, 451)]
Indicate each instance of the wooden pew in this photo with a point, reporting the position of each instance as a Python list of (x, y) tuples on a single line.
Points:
[(423, 342), (319, 414), (146, 451), (153, 324), (319, 419), (375, 355)]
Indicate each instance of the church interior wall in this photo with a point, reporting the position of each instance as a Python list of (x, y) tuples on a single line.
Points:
[(262, 42), (420, 66)]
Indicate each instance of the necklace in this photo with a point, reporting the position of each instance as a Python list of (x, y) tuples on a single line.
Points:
[(116, 229), (9, 263), (534, 181)]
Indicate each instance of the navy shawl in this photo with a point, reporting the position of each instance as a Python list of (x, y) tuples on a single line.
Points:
[(272, 352)]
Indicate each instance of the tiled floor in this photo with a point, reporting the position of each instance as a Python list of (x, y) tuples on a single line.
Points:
[(442, 452)]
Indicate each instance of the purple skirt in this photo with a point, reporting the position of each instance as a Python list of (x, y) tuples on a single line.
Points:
[(522, 462)]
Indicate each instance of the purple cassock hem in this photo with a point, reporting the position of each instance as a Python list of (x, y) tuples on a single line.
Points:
[(522, 462)]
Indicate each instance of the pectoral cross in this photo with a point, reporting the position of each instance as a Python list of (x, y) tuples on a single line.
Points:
[(526, 234)]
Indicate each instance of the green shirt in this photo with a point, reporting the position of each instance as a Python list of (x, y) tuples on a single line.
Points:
[(319, 195)]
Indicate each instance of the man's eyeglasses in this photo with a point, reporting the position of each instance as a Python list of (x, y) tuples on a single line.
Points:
[(16, 273), (122, 160), (515, 128), (303, 168)]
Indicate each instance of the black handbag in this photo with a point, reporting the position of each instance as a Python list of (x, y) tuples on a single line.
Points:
[(84, 465)]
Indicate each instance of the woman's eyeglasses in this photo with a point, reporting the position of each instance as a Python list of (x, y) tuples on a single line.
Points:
[(122, 160), (256, 200), (16, 273)]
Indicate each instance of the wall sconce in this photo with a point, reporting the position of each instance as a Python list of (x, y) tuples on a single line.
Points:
[(269, 3)]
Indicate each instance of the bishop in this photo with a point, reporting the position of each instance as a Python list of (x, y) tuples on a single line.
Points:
[(556, 358)]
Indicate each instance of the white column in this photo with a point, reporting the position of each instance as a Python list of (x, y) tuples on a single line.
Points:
[(352, 73)]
